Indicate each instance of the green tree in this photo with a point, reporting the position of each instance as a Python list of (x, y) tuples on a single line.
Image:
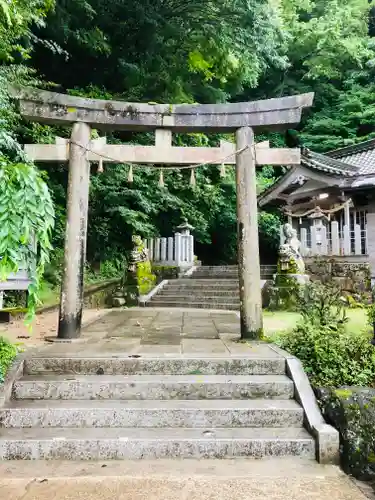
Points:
[(16, 19), (26, 209), (162, 50)]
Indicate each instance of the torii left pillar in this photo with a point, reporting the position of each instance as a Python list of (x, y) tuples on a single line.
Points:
[(247, 237), (71, 302)]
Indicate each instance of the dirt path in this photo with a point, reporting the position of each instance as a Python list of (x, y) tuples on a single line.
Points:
[(44, 325)]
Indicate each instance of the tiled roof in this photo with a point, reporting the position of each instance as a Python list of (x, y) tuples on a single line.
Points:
[(356, 163), (331, 166), (360, 155)]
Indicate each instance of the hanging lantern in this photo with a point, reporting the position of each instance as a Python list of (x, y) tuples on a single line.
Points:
[(300, 221), (100, 166), (222, 170), (192, 178), (161, 179), (130, 174)]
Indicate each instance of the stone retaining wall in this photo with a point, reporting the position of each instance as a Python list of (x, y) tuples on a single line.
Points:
[(350, 276)]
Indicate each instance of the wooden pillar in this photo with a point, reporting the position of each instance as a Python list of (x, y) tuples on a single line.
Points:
[(304, 249), (314, 240), (347, 231), (335, 238), (324, 240), (248, 239), (357, 240), (71, 302), (371, 241)]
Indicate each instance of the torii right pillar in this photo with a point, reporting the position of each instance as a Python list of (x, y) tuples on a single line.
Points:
[(248, 237)]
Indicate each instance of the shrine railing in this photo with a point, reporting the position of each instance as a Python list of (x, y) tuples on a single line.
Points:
[(331, 239), (177, 250)]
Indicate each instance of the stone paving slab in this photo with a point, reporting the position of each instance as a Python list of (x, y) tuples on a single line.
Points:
[(199, 346), (240, 479), (162, 332)]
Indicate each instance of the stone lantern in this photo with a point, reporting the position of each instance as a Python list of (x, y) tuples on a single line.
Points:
[(184, 245), (185, 228)]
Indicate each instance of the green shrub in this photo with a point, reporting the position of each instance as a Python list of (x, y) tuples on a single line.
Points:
[(371, 314), (145, 277), (331, 357), (321, 304), (8, 352), (330, 354)]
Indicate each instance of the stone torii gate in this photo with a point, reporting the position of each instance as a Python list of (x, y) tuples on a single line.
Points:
[(80, 150)]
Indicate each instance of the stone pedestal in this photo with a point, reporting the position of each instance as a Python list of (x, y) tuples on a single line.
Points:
[(132, 291), (301, 279)]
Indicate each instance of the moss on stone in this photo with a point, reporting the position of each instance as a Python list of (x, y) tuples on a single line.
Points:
[(283, 293), (253, 335), (352, 411), (343, 393), (292, 269), (165, 272), (145, 278)]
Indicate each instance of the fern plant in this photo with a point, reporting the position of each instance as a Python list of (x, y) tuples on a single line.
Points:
[(26, 222)]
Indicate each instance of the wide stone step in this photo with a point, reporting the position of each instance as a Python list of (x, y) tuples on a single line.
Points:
[(164, 366), (199, 293), (212, 299), (217, 268), (200, 288), (192, 305), (134, 443), (200, 282), (149, 413), (160, 387), (221, 276), (232, 268)]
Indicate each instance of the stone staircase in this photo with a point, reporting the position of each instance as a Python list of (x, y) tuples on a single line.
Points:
[(132, 408), (209, 287)]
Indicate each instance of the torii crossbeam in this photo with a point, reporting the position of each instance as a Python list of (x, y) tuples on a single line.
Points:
[(162, 153), (241, 118)]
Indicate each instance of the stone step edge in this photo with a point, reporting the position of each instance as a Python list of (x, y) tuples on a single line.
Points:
[(192, 302), (152, 414), (194, 294), (107, 365), (141, 387), (109, 443), (198, 300), (188, 305), (152, 404), (132, 448)]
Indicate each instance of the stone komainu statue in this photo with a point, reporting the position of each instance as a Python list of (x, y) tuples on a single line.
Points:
[(289, 254), (139, 252)]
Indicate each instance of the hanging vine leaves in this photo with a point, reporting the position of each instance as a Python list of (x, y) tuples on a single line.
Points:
[(26, 222)]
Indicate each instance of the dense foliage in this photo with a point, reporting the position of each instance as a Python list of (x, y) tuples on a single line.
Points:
[(191, 51), (331, 355), (8, 352)]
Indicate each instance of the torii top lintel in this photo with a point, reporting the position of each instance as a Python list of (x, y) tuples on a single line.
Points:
[(53, 108)]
